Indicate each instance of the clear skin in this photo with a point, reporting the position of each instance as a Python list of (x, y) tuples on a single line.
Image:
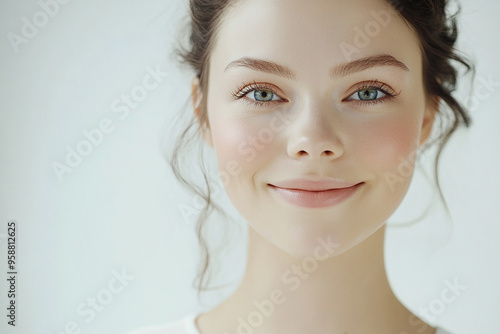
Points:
[(325, 129)]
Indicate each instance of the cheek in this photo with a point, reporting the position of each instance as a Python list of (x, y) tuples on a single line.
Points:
[(243, 146), (388, 146)]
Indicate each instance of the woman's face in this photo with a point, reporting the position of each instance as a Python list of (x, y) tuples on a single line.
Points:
[(340, 95)]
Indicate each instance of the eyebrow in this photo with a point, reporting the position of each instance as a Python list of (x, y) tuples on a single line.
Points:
[(337, 71)]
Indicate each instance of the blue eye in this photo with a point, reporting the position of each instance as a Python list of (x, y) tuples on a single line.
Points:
[(263, 95), (372, 92), (367, 94), (258, 94)]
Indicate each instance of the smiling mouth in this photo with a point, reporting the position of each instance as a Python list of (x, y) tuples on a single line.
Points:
[(311, 198)]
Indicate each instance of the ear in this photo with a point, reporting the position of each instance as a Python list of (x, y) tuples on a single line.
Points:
[(196, 95), (431, 108)]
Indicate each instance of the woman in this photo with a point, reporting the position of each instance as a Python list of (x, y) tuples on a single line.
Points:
[(312, 109)]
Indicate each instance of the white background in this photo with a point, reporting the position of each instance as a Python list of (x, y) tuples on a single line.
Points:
[(119, 209)]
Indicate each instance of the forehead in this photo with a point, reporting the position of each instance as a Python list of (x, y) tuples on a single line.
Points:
[(309, 35)]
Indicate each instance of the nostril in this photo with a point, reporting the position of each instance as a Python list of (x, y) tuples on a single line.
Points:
[(328, 153)]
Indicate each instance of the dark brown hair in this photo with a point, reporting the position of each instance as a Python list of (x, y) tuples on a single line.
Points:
[(437, 32)]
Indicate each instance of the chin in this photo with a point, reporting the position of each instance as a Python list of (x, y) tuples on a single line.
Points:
[(304, 237), (304, 241)]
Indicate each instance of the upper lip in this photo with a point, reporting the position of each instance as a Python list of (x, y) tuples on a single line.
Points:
[(316, 184)]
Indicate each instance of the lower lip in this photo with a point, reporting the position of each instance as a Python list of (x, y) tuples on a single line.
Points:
[(315, 199)]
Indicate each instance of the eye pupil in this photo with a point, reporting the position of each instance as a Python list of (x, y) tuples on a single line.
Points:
[(263, 95), (367, 94)]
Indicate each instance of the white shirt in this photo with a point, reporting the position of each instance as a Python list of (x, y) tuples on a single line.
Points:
[(187, 325)]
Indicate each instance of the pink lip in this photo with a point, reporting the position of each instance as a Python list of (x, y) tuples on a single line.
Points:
[(315, 193)]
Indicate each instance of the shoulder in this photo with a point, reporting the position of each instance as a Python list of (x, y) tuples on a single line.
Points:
[(185, 325)]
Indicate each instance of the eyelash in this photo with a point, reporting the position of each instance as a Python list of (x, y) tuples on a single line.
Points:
[(375, 84), (244, 89)]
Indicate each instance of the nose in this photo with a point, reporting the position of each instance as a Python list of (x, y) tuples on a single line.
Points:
[(315, 135)]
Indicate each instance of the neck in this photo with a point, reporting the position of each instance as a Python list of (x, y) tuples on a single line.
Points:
[(284, 294)]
